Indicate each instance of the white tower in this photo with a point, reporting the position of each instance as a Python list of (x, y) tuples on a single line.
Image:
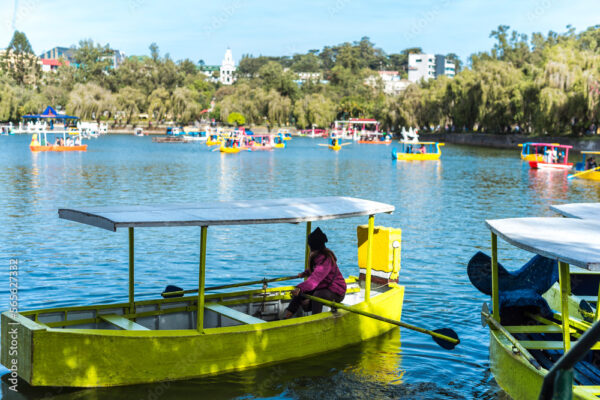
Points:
[(227, 69)]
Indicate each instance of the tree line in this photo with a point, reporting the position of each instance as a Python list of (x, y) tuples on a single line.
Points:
[(543, 84)]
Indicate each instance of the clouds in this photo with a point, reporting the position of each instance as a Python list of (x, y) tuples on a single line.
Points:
[(195, 30)]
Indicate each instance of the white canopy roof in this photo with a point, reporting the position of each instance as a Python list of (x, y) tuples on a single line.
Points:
[(579, 210), (292, 210), (573, 241)]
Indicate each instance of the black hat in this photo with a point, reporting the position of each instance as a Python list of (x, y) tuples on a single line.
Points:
[(317, 239)]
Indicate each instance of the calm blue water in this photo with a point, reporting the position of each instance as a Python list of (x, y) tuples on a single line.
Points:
[(440, 206)]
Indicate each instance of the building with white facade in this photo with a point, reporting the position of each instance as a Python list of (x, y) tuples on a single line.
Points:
[(393, 84), (427, 66), (227, 70)]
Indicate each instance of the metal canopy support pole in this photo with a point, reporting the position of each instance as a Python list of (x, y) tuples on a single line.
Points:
[(597, 316), (131, 273), (200, 312), (495, 290), (369, 257), (307, 249), (565, 291)]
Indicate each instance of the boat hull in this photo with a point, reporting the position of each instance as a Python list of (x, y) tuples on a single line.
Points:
[(375, 141), (515, 375), (335, 148), (550, 166), (418, 157), (532, 157), (231, 150), (590, 176), (103, 357), (82, 147)]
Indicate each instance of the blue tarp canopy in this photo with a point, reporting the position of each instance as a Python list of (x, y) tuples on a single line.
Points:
[(50, 112)]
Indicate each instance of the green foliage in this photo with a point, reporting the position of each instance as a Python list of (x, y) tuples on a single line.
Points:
[(236, 118), (19, 62), (19, 44)]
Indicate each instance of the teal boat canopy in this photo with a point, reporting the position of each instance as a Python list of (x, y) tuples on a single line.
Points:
[(579, 210), (290, 210), (568, 240)]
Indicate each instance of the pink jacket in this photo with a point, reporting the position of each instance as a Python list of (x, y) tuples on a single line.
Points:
[(326, 275)]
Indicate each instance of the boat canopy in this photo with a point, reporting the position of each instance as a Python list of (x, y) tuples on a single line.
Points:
[(573, 241), (50, 112), (290, 210), (579, 210)]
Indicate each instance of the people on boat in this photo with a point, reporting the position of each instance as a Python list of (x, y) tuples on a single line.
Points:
[(422, 149), (590, 163), (324, 278), (78, 141)]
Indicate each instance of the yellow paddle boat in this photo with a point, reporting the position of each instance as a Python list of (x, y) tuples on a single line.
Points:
[(417, 151), (214, 139), (587, 168), (540, 347), (190, 333)]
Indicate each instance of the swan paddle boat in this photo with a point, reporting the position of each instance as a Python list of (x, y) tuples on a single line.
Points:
[(191, 333), (417, 151), (540, 347), (555, 157)]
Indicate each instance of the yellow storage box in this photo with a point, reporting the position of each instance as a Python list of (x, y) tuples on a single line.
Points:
[(386, 251)]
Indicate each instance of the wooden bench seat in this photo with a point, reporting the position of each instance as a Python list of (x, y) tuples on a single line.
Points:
[(233, 314), (123, 323)]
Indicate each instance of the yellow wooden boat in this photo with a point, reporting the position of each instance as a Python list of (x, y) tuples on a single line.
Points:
[(583, 170), (531, 151), (525, 345), (203, 334), (336, 147), (417, 151)]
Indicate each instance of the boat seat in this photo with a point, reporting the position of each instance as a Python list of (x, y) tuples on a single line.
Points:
[(122, 322), (233, 314)]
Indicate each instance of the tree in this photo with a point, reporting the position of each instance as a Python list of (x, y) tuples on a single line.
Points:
[(94, 62), (19, 60), (90, 101), (236, 118), (130, 101)]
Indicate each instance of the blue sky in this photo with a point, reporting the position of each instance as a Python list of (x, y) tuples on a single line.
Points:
[(203, 30)]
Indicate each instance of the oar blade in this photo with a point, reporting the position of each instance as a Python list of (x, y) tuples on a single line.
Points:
[(172, 288), (444, 343)]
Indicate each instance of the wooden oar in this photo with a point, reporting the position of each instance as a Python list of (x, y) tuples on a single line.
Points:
[(445, 337), (321, 144), (176, 291), (344, 144), (582, 172)]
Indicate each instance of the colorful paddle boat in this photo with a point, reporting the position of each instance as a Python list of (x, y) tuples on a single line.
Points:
[(554, 157), (40, 142), (375, 138), (533, 339), (531, 151), (185, 335), (233, 145), (587, 168), (279, 141), (417, 151)]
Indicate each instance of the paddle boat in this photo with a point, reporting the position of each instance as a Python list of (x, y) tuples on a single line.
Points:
[(335, 144), (234, 144), (531, 151), (587, 168), (375, 138), (417, 151), (261, 142), (190, 333), (279, 141), (214, 139), (138, 131), (555, 157), (40, 142), (532, 340), (285, 134)]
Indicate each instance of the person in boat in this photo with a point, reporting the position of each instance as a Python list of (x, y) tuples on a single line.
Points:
[(78, 141), (422, 149), (590, 163), (324, 278)]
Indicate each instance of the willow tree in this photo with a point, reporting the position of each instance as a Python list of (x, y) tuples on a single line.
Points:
[(90, 101), (130, 101)]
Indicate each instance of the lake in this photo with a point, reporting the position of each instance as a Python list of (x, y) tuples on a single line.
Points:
[(440, 206)]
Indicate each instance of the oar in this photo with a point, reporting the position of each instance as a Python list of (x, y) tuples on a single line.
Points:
[(445, 337), (581, 173), (176, 291), (345, 144), (321, 144)]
